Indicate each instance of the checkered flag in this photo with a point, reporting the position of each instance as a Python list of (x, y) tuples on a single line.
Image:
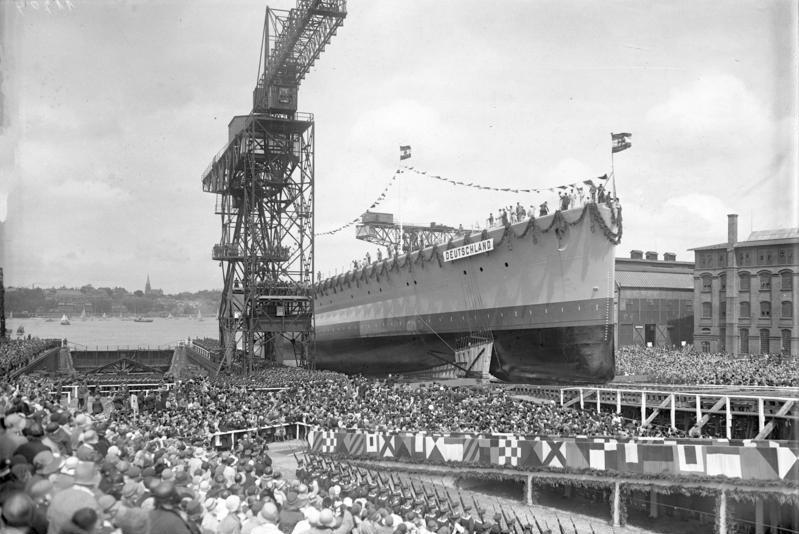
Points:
[(509, 451)]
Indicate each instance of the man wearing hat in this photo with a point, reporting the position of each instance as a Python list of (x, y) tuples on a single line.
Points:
[(81, 494), (12, 438), (268, 518), (165, 518)]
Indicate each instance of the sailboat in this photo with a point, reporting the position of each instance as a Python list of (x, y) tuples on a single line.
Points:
[(105, 316), (83, 314), (169, 316), (199, 315), (65, 320)]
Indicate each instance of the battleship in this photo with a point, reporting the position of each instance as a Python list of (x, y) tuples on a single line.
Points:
[(538, 291)]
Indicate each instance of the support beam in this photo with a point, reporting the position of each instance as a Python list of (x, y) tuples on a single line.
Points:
[(705, 418), (760, 527), (529, 488), (581, 399), (668, 400), (616, 514), (653, 504), (722, 518), (771, 424)]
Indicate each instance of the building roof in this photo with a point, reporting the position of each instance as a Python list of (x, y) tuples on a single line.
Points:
[(779, 233), (777, 236), (655, 280)]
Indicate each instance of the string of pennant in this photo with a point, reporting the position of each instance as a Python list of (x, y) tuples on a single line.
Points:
[(375, 204), (593, 182), (596, 182)]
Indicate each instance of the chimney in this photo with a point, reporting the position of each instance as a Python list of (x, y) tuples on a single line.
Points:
[(651, 255), (732, 229), (669, 256), (636, 255)]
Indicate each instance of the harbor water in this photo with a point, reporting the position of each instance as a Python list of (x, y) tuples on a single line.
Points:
[(115, 332)]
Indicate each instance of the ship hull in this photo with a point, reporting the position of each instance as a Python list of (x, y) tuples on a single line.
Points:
[(543, 297)]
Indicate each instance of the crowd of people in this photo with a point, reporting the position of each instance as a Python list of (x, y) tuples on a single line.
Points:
[(17, 353), (152, 466), (688, 366)]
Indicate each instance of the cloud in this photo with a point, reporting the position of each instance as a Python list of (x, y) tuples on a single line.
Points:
[(716, 113)]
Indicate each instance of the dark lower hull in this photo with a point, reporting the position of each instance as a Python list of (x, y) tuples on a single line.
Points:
[(573, 354)]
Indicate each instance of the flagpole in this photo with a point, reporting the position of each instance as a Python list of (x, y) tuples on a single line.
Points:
[(612, 166)]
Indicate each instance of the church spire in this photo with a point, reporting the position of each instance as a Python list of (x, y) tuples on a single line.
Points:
[(147, 287)]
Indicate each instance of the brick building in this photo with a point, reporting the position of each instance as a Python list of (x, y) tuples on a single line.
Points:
[(745, 293), (654, 300)]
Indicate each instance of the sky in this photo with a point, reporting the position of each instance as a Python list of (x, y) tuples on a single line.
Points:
[(112, 110)]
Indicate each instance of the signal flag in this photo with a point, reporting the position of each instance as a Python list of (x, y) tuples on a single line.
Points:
[(405, 152), (620, 141)]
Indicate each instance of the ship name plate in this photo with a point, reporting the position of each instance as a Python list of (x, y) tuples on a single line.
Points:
[(471, 249)]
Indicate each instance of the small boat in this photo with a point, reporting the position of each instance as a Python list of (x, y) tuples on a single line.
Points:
[(65, 320), (20, 331), (199, 315), (105, 316), (169, 316), (141, 319), (83, 314)]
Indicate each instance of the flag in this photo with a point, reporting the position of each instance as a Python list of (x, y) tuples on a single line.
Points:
[(620, 141), (405, 152)]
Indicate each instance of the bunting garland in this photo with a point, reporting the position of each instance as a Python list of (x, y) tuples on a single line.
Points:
[(591, 182), (595, 182), (375, 204)]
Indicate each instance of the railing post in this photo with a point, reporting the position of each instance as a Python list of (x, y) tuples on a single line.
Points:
[(561, 400), (582, 400), (598, 404), (643, 407), (698, 409), (673, 412), (722, 511), (761, 415), (618, 401), (729, 416), (616, 514)]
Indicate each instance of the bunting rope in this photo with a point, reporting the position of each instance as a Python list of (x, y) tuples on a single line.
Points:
[(375, 204), (600, 180), (593, 182)]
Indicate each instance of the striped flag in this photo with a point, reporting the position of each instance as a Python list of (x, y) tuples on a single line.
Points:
[(620, 141), (405, 152)]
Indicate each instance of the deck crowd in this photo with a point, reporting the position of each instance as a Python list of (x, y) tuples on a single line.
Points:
[(15, 354)]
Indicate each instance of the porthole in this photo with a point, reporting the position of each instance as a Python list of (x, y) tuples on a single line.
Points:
[(464, 272), (407, 284), (506, 264), (481, 269), (414, 282)]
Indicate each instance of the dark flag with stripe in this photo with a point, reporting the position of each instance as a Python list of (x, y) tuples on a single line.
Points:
[(620, 141)]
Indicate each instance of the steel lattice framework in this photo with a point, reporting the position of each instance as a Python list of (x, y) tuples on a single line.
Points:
[(264, 182)]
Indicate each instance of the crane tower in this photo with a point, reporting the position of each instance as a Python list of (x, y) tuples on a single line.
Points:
[(263, 179)]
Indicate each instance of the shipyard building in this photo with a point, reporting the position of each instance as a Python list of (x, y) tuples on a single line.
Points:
[(654, 300), (745, 293)]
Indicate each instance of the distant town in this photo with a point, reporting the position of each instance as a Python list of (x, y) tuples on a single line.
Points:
[(108, 301)]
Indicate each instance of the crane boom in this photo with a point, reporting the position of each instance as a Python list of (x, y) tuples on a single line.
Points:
[(293, 41)]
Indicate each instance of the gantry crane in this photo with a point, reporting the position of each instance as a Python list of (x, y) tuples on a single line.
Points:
[(264, 182), (380, 229)]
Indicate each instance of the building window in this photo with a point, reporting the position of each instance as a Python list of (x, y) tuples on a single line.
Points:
[(786, 341), (722, 310), (765, 309), (706, 346), (787, 309), (765, 281), (707, 283), (722, 283), (722, 339), (722, 260), (764, 341), (744, 279), (707, 310), (745, 309), (786, 281), (744, 335), (782, 256)]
